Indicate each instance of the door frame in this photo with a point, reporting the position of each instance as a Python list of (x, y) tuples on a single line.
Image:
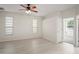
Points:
[(75, 38)]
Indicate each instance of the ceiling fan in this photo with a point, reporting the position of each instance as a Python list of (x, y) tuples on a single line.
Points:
[(29, 8)]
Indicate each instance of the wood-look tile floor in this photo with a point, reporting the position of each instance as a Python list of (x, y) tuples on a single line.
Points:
[(36, 46)]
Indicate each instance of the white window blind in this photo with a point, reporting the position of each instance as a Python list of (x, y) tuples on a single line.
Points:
[(8, 25), (35, 26)]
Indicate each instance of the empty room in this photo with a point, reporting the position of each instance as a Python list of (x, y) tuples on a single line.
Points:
[(39, 28)]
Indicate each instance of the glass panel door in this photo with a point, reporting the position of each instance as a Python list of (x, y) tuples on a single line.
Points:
[(68, 30)]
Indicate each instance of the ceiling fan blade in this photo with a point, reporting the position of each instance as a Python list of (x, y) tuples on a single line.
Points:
[(23, 5), (33, 7), (34, 10)]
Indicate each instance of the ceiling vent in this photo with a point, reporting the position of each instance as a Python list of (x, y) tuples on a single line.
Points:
[(1, 9)]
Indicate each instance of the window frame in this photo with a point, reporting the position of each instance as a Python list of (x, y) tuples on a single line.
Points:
[(8, 25), (35, 25)]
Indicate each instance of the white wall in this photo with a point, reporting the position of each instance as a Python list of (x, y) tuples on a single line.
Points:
[(52, 28), (22, 28)]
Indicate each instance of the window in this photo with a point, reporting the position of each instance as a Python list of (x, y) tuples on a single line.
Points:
[(70, 24), (34, 25), (8, 25)]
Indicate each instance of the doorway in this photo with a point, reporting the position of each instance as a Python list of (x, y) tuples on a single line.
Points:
[(68, 30)]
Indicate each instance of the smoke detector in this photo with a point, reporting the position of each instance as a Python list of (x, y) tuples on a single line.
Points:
[(1, 9)]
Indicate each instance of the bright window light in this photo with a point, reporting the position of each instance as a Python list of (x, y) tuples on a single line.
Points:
[(8, 25), (34, 25)]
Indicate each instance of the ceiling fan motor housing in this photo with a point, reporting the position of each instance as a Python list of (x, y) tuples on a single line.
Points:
[(28, 8)]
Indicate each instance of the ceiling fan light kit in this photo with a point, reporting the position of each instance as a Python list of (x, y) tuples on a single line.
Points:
[(28, 12)]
